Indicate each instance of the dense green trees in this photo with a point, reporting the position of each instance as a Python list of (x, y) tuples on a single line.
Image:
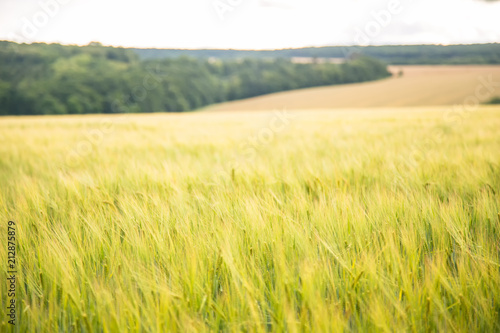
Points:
[(55, 79), (391, 54), (494, 100)]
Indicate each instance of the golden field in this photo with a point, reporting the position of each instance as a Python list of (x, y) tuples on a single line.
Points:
[(419, 86)]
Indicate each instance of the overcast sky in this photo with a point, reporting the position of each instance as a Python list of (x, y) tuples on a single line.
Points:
[(249, 24)]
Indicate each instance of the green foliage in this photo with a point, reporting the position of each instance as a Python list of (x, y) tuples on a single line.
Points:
[(494, 100), (393, 54), (56, 79)]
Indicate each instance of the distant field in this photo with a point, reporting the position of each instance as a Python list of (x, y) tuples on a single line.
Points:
[(419, 86), (339, 220)]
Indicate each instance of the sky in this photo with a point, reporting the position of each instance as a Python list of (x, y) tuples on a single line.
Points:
[(249, 24)]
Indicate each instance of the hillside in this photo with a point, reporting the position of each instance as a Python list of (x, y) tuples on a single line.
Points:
[(57, 79), (419, 86)]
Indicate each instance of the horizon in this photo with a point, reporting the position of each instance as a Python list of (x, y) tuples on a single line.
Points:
[(250, 25), (236, 49)]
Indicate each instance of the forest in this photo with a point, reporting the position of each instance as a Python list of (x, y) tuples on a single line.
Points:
[(55, 79), (472, 54)]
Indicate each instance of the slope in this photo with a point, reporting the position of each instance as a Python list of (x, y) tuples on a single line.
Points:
[(418, 86)]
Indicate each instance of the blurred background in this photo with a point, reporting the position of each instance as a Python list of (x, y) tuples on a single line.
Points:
[(74, 57)]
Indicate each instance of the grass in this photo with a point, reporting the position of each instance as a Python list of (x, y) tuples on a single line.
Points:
[(419, 86), (361, 220)]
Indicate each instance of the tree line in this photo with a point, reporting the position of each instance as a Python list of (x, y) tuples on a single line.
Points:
[(55, 79), (391, 54)]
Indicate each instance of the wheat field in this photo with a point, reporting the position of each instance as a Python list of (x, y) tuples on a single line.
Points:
[(327, 220), (419, 86)]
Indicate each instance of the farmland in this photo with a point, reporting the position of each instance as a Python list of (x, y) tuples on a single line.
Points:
[(419, 86), (374, 219)]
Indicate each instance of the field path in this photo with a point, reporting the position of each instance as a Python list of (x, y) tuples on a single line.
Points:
[(419, 86)]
